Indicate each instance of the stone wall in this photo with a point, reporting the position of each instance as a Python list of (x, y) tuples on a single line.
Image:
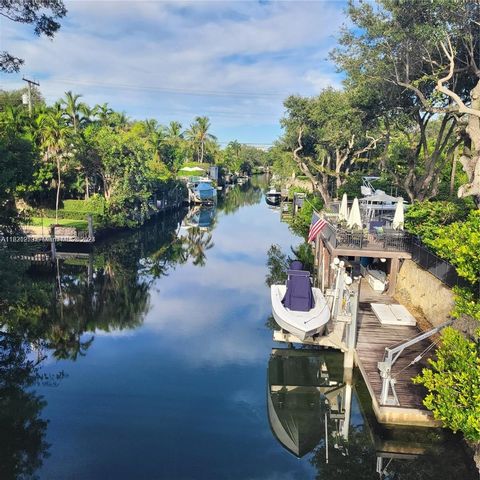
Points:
[(300, 183), (424, 292)]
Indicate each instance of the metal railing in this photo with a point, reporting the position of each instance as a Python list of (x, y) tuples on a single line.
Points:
[(388, 240), (396, 241), (437, 266)]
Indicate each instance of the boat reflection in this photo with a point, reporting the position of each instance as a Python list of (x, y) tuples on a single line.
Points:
[(305, 393), (201, 216)]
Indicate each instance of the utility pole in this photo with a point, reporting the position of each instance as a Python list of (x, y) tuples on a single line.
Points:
[(30, 83)]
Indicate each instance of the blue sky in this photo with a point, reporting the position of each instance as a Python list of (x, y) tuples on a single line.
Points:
[(232, 61)]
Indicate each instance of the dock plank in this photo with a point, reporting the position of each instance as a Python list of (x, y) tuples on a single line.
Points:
[(373, 337)]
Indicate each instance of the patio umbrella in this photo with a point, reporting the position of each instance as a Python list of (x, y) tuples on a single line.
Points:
[(399, 217), (343, 213), (355, 219)]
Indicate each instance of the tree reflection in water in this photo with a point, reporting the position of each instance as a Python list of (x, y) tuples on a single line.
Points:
[(303, 381), (22, 432), (239, 196), (423, 455), (59, 307)]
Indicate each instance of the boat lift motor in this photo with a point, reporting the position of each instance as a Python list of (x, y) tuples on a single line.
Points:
[(391, 356)]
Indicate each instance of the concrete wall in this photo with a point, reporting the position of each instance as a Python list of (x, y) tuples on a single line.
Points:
[(424, 292)]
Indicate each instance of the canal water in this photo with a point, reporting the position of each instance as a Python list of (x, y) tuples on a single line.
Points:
[(151, 358)]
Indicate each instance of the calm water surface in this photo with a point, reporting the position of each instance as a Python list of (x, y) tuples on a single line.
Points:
[(158, 366)]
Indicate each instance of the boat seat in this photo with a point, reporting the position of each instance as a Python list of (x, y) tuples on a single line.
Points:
[(299, 295)]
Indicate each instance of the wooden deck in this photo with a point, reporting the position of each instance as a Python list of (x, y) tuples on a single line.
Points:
[(372, 338)]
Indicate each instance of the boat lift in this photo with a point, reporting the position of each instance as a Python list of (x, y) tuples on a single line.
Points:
[(391, 356)]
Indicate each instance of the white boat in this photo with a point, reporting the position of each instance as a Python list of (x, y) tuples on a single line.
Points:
[(201, 190), (300, 324), (376, 202), (273, 197), (377, 279)]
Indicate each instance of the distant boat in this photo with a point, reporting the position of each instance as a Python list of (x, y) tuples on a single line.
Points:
[(201, 190), (272, 197), (298, 307)]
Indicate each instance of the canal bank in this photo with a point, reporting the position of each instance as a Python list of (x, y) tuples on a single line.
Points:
[(165, 361)]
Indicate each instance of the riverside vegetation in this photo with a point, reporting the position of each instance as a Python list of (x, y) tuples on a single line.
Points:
[(409, 112)]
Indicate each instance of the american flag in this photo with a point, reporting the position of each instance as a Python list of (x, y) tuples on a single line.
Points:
[(315, 227)]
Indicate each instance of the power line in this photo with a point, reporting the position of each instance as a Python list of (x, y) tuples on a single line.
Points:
[(211, 113), (178, 91)]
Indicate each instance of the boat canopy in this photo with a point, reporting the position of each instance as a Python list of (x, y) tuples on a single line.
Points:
[(192, 169), (299, 295), (379, 196)]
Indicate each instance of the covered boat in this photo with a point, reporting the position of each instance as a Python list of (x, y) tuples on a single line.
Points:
[(201, 190), (297, 307)]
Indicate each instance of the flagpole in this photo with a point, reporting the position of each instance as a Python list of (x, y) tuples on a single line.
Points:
[(314, 209)]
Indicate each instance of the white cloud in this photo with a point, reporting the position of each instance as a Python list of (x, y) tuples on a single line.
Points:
[(133, 54)]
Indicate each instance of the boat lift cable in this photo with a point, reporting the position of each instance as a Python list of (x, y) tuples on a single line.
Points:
[(416, 359), (391, 356)]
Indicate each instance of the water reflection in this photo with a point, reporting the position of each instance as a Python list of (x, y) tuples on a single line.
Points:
[(59, 307), (239, 196), (171, 356), (304, 390), (316, 407), (23, 446), (201, 216)]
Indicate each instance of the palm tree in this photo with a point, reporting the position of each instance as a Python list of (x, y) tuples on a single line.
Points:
[(103, 112), (156, 138), (235, 147), (54, 138), (121, 119), (174, 130), (151, 126), (175, 145), (73, 108), (199, 136)]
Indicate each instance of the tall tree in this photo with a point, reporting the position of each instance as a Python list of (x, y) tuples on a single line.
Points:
[(328, 136), (43, 14), (426, 56), (73, 109), (54, 135), (199, 135), (102, 113)]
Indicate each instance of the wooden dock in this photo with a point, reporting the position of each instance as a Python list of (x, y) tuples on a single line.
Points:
[(363, 341), (372, 338)]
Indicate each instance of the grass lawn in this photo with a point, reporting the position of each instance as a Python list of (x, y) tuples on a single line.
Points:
[(66, 222)]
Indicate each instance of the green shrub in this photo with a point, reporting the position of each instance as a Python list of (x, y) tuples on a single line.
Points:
[(427, 219), (459, 243), (453, 384), (300, 223), (73, 215), (94, 204)]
